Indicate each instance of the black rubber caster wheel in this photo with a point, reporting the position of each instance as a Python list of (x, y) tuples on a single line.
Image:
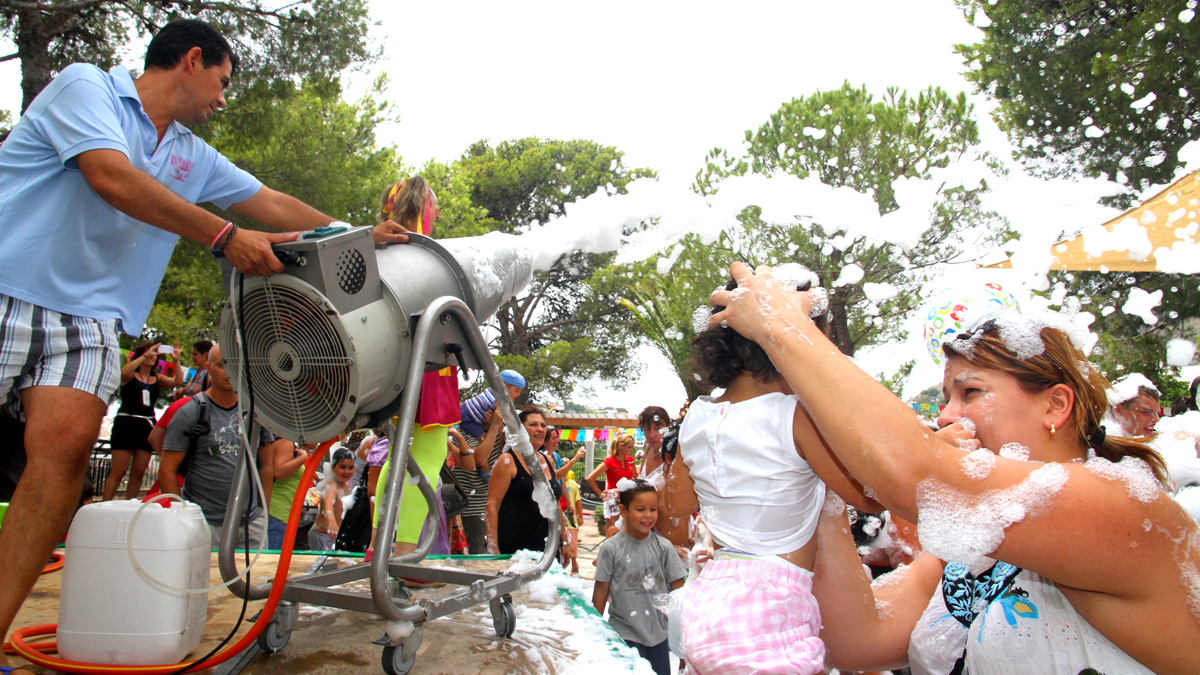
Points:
[(398, 660), (504, 618), (394, 662), (271, 640)]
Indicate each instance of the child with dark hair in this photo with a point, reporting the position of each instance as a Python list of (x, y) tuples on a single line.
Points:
[(337, 487), (755, 468), (653, 420), (632, 568)]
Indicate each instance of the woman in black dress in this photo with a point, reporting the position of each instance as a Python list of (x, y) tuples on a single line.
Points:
[(141, 384), (514, 518)]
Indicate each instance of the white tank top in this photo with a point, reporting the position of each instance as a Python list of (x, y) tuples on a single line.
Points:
[(756, 493), (1027, 626)]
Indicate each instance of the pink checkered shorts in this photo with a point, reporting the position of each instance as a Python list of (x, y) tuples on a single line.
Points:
[(749, 616)]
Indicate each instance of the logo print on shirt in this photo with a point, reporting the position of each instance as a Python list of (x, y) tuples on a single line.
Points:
[(180, 168)]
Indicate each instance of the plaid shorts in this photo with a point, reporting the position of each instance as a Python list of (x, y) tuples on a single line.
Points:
[(43, 348), (752, 616)]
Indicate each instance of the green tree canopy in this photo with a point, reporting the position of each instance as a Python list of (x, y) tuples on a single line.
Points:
[(565, 328), (1099, 88), (1127, 344), (308, 38), (663, 304), (847, 138), (303, 140)]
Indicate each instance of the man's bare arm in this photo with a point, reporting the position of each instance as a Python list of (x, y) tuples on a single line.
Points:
[(136, 194), (285, 212)]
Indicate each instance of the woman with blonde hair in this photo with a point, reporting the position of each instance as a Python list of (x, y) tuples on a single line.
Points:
[(1051, 545), (412, 205), (619, 464)]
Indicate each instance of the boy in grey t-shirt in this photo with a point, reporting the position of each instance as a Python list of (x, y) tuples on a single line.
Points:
[(633, 567), (211, 465)]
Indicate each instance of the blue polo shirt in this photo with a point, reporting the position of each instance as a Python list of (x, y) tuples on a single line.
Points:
[(64, 248)]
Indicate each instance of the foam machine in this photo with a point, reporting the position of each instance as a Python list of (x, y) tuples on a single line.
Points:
[(340, 340)]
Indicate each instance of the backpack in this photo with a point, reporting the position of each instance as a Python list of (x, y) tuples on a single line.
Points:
[(200, 429)]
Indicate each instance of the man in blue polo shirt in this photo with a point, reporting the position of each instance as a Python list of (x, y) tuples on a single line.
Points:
[(97, 181)]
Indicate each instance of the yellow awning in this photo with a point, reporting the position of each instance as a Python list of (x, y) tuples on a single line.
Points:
[(1169, 216)]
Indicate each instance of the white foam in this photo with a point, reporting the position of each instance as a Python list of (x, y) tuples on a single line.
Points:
[(1015, 451), (1189, 499), (1141, 304), (626, 484), (968, 424), (1126, 388), (978, 464), (795, 275), (833, 505), (1188, 572), (398, 629), (1183, 257), (1021, 331), (884, 609), (1180, 352), (1135, 473), (878, 293), (957, 526), (891, 579), (1127, 236), (819, 298), (851, 274)]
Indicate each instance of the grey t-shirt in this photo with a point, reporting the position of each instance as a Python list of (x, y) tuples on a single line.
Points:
[(637, 571), (211, 466)]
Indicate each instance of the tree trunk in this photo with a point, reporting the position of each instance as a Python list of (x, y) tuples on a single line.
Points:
[(33, 45), (839, 324)]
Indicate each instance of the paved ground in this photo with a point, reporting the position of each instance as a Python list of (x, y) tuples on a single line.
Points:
[(335, 641)]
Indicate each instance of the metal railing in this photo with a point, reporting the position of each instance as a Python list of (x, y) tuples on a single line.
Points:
[(100, 465)]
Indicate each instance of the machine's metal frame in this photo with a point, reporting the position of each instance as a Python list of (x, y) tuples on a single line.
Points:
[(387, 599)]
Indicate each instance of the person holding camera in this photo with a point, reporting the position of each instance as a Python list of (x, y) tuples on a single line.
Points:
[(207, 433), (141, 384)]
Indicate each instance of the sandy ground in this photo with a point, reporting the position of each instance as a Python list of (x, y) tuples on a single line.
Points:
[(335, 641)]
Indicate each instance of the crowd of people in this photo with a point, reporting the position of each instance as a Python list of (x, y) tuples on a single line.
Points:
[(791, 540), (1036, 526)]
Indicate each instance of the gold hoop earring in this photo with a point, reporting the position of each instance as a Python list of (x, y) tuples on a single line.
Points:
[(1052, 430)]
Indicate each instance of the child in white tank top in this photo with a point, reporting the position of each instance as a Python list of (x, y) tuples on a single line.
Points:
[(760, 493)]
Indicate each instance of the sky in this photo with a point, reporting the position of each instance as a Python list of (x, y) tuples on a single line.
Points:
[(663, 82)]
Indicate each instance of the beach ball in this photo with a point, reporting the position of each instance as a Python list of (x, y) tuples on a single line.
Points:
[(947, 311)]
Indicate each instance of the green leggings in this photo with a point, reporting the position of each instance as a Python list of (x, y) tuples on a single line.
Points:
[(429, 449)]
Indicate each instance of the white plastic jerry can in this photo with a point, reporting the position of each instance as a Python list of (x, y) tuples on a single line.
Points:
[(108, 614)]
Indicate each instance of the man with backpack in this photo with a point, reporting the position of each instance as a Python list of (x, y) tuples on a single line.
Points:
[(205, 438)]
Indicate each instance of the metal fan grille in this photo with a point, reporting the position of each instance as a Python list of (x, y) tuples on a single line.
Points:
[(298, 362), (352, 271)]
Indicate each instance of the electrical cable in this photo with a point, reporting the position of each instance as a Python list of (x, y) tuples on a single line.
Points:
[(251, 468), (33, 652), (252, 475), (55, 564)]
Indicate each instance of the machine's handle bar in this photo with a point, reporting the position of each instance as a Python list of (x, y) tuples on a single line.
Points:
[(401, 437)]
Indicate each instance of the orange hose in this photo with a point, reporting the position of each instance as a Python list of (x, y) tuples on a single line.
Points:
[(55, 564), (33, 652)]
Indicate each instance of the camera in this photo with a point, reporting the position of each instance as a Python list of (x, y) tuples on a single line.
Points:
[(166, 349)]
